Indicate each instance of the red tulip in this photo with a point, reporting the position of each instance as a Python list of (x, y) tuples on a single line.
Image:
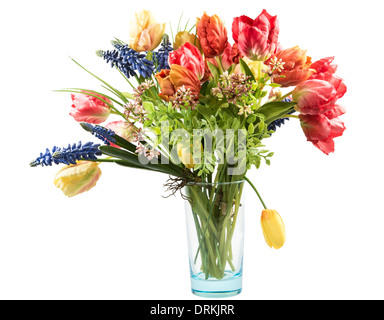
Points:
[(314, 97), (257, 39), (212, 35), (325, 71), (188, 56), (324, 66), (230, 56), (321, 131), (335, 112)]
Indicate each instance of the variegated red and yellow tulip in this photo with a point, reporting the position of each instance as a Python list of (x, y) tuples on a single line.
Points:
[(78, 178), (188, 56), (90, 107)]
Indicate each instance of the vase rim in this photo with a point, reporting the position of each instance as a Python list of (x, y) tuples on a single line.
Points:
[(191, 184)]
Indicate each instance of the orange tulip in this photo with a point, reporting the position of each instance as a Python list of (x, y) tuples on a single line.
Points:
[(212, 34), (296, 67), (166, 86), (172, 80), (181, 76)]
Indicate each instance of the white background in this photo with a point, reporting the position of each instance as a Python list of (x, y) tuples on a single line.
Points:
[(123, 240)]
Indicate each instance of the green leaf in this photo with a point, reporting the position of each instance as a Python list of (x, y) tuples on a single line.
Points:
[(148, 106), (134, 160), (275, 110), (251, 128), (115, 91), (246, 70), (214, 70), (205, 112)]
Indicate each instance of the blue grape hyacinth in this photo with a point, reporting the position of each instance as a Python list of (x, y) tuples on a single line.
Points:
[(104, 134), (128, 61), (69, 155), (161, 56)]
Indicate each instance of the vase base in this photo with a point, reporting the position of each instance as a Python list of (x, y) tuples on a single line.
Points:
[(217, 294), (229, 286)]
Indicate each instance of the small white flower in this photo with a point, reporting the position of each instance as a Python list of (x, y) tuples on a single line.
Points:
[(141, 149), (246, 110), (152, 154)]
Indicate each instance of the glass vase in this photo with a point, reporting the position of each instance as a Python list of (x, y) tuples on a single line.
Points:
[(215, 231)]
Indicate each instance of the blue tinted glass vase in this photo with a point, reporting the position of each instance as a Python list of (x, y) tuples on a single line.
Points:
[(215, 230)]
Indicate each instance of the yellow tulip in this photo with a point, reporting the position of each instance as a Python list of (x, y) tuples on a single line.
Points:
[(256, 67), (145, 33), (78, 178), (273, 228), (185, 155), (184, 36)]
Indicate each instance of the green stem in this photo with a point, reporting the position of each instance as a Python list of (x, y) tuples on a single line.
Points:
[(291, 116), (258, 194), (285, 96)]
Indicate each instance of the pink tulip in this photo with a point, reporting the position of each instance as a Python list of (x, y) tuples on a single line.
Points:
[(124, 129), (257, 39), (188, 56), (321, 131), (86, 108)]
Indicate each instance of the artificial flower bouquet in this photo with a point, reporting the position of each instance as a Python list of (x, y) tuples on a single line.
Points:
[(199, 111)]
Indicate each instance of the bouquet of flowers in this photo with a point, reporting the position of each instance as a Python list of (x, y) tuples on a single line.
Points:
[(199, 111)]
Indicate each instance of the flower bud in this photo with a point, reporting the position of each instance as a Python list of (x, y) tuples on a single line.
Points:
[(273, 228)]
